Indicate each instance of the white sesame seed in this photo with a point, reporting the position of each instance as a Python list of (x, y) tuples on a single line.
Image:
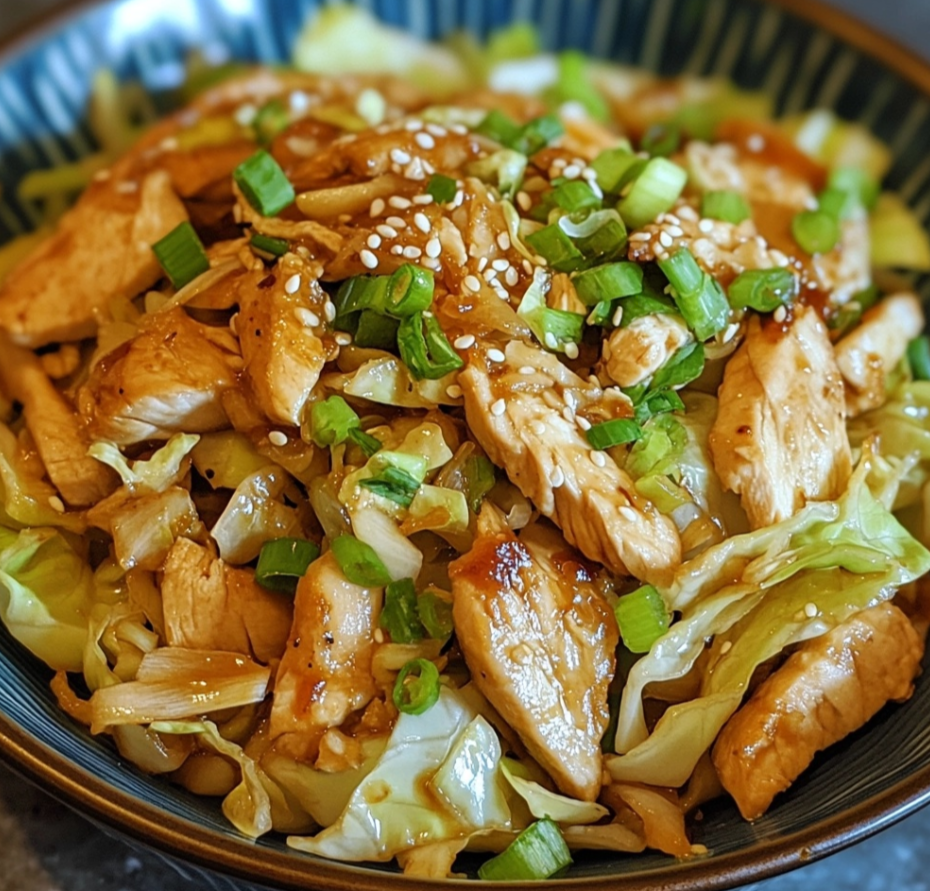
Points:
[(482, 263), (412, 252), (423, 199), (399, 156), (557, 479), (421, 221), (458, 200), (245, 114), (306, 317), (377, 207), (432, 263), (329, 310), (433, 248), (399, 202), (755, 143), (675, 231), (527, 267), (453, 391), (413, 125), (503, 241), (292, 285), (500, 291), (524, 200), (599, 458), (378, 635), (583, 423), (550, 340), (778, 258), (397, 250), (343, 338), (459, 129), (527, 369), (374, 241), (571, 350), (730, 332), (706, 226), (277, 438), (573, 171), (568, 414), (397, 222), (560, 163), (538, 427), (810, 610), (437, 130), (299, 101), (627, 513), (725, 647), (617, 317), (511, 276), (490, 275), (780, 314), (472, 283), (501, 265), (369, 260), (495, 355), (640, 236), (425, 141), (498, 408), (56, 504), (464, 342), (386, 231), (665, 239), (687, 212), (233, 322)]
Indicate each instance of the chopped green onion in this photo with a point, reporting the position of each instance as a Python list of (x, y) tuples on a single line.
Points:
[(428, 355), (815, 231), (480, 478), (574, 85), (370, 445), (504, 168), (416, 689), (399, 615), (375, 331), (662, 140), (699, 297), (499, 127), (763, 290), (406, 291), (264, 184), (848, 315), (283, 562), (856, 182), (642, 617), (442, 188), (331, 420), (359, 562), (731, 207), (538, 852), (394, 484), (607, 282), (653, 404), (270, 120), (640, 305), (575, 195), (268, 246), (654, 191), (684, 366), (918, 357), (538, 133), (181, 255), (435, 612), (554, 328), (615, 167), (837, 203), (603, 313), (614, 433), (558, 250)]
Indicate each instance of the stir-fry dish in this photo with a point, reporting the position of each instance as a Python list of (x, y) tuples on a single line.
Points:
[(508, 453)]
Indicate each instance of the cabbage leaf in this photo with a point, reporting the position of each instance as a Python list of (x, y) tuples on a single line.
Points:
[(157, 473)]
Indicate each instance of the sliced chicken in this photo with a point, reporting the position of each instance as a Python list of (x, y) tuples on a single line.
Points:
[(780, 440), (827, 689), (325, 673), (524, 412), (281, 315), (58, 431), (635, 353), (539, 640), (100, 251), (209, 605), (166, 380), (870, 351)]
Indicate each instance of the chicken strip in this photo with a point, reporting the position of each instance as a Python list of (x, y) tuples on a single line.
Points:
[(539, 640), (780, 435), (100, 251), (209, 605), (635, 353), (280, 317), (325, 673), (827, 689), (521, 421), (166, 380), (873, 348), (56, 428)]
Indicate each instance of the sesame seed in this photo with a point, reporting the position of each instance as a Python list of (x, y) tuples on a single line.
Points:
[(386, 231), (433, 248), (413, 125), (730, 332), (524, 200), (421, 221), (538, 427), (299, 101), (499, 290), (557, 479), (399, 202), (397, 250), (423, 199), (374, 241), (560, 163), (464, 342), (568, 414), (56, 504), (459, 129), (780, 314), (369, 260), (425, 141), (377, 207), (583, 423), (687, 212), (412, 252), (343, 338), (378, 635), (617, 317), (501, 265), (573, 171), (498, 408), (437, 130), (527, 369), (675, 231), (571, 350), (550, 340), (459, 198), (665, 239), (706, 226), (755, 143), (306, 317), (329, 310), (397, 222), (527, 267), (432, 263), (599, 458), (453, 391), (245, 114), (640, 236), (503, 241), (399, 156), (495, 355), (511, 276), (725, 647), (810, 610), (482, 263), (472, 283), (589, 173), (277, 438), (292, 285), (627, 513)]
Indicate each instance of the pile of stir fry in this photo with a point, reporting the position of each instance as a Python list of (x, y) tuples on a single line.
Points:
[(513, 469)]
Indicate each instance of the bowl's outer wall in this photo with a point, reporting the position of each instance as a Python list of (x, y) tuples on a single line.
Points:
[(871, 780)]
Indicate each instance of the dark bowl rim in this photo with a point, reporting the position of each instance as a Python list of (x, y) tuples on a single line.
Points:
[(94, 798)]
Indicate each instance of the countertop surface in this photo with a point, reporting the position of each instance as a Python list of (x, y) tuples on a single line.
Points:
[(46, 847)]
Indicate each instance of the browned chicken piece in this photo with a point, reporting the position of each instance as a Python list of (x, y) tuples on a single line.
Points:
[(100, 251), (635, 353), (209, 605), (539, 640), (325, 673), (57, 429), (871, 350), (281, 316), (166, 380), (780, 440), (519, 412), (827, 689)]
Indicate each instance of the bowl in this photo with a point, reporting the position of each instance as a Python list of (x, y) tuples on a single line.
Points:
[(804, 54)]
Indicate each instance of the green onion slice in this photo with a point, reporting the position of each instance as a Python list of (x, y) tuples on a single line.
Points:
[(480, 478), (538, 852), (538, 133), (731, 207), (685, 364), (264, 184), (499, 127), (662, 140), (406, 291), (918, 357), (399, 616), (359, 562), (269, 247), (615, 167), (442, 188), (558, 250), (428, 355), (575, 195), (608, 281), (283, 562), (650, 404), (763, 290), (369, 444), (393, 483), (640, 305), (574, 85), (331, 421), (435, 611), (856, 182), (654, 191), (270, 120), (375, 331), (815, 231), (416, 689), (699, 297), (642, 617), (181, 255), (613, 433)]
